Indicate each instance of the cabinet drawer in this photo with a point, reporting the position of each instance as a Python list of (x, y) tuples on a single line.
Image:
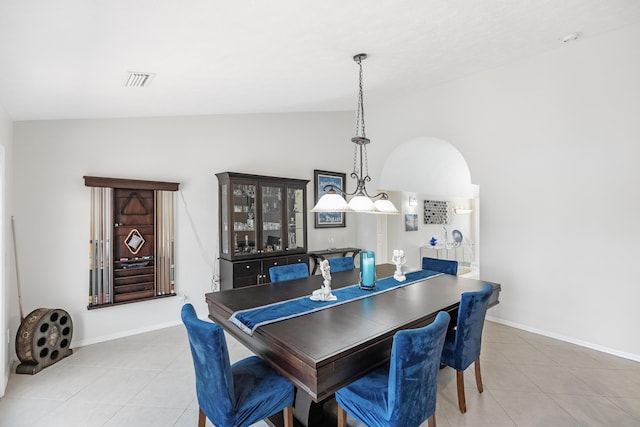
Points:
[(273, 262), (298, 259), (249, 268)]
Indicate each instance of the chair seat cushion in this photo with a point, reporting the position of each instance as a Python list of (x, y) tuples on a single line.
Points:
[(260, 391), (366, 399)]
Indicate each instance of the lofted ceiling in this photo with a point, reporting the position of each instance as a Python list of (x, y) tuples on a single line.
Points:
[(69, 59)]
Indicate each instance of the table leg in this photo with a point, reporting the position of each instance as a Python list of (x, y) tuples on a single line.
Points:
[(308, 412)]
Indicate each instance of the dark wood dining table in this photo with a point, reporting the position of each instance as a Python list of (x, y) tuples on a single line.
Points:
[(322, 351)]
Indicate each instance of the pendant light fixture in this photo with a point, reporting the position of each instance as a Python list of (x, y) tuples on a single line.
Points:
[(361, 200)]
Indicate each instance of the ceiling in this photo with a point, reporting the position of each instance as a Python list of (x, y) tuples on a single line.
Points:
[(69, 59)]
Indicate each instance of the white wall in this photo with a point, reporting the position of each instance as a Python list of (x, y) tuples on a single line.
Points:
[(554, 144), (52, 203), (6, 279)]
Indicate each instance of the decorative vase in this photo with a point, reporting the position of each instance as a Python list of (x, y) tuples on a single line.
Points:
[(367, 270)]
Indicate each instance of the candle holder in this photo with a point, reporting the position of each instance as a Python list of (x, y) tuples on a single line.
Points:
[(367, 270)]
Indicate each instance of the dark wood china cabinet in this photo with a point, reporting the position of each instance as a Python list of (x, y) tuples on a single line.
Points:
[(263, 223)]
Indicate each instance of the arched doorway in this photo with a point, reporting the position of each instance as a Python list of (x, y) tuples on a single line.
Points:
[(428, 168)]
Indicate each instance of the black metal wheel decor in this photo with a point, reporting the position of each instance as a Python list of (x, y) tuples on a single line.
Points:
[(43, 338)]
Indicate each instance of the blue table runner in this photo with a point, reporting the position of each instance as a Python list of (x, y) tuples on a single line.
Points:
[(250, 319)]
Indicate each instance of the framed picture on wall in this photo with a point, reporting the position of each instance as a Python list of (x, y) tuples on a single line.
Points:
[(411, 222), (321, 179)]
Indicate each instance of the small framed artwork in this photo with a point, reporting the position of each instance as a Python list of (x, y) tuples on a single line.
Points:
[(134, 241), (321, 179), (411, 222)]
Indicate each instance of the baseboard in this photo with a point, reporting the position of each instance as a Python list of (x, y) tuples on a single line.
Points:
[(630, 356)]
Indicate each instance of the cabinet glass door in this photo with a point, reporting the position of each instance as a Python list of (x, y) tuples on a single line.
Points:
[(295, 218), (244, 225), (224, 221), (271, 198)]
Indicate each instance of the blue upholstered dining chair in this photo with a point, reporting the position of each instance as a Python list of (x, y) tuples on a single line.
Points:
[(440, 265), (403, 392), (344, 263), (462, 345), (233, 395), (289, 272)]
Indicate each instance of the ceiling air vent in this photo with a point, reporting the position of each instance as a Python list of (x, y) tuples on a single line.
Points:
[(138, 79)]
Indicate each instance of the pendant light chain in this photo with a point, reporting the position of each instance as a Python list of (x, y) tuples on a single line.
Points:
[(361, 201), (360, 127)]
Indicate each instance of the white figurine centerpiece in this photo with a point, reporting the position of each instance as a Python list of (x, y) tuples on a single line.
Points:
[(399, 260), (324, 293)]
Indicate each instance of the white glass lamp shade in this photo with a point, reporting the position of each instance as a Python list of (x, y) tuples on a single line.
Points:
[(331, 202), (361, 203), (385, 206)]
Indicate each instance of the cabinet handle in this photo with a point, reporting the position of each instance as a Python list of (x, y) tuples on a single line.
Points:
[(248, 267), (275, 263)]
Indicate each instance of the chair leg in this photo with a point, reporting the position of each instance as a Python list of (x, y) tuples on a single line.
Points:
[(202, 419), (462, 404), (431, 421), (476, 364), (342, 417), (288, 416)]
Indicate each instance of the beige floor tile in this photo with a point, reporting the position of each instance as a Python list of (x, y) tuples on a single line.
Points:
[(500, 334), (610, 382), (23, 412), (78, 414), (595, 411), (526, 354), (629, 405), (529, 380), (492, 352), (569, 355), (533, 409), (557, 379), (58, 382), (613, 362), (504, 376), (482, 410), (166, 390), (116, 386), (145, 416)]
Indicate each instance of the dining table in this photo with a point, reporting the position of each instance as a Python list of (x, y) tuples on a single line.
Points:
[(326, 349)]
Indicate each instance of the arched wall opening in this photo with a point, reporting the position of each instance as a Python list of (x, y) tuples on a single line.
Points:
[(431, 169)]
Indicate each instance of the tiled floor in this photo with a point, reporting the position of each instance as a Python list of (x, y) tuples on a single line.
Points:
[(147, 380)]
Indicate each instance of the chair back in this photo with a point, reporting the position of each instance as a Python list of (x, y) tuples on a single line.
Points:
[(289, 272), (440, 265), (341, 264), (471, 314), (413, 372), (214, 380)]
